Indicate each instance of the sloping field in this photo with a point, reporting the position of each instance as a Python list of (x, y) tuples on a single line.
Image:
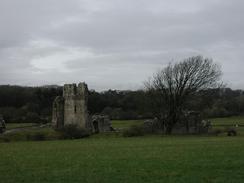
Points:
[(117, 159)]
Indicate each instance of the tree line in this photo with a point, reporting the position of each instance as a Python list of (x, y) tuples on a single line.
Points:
[(34, 104)]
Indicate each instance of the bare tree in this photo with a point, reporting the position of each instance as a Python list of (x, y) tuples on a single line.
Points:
[(174, 85)]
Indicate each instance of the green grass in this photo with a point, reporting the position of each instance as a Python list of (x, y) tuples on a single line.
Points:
[(117, 159), (228, 120), (125, 123), (108, 157), (220, 123), (18, 125)]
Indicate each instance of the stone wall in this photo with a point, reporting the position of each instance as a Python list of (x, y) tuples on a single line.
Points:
[(190, 123), (72, 107), (101, 123), (58, 112)]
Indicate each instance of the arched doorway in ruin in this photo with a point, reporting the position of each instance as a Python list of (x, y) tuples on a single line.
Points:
[(95, 126)]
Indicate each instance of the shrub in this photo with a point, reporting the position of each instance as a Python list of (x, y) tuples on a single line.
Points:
[(133, 131), (4, 139), (37, 136), (216, 131), (74, 132), (31, 135), (33, 117), (231, 132)]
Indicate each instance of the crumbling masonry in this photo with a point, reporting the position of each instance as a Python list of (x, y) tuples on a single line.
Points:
[(71, 108)]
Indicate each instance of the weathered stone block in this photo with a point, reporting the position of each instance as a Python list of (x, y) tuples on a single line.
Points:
[(58, 112), (72, 107), (101, 123)]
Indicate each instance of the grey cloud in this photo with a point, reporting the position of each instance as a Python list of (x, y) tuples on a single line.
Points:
[(115, 43)]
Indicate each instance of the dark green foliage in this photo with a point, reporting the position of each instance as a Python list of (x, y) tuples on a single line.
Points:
[(38, 136), (133, 131), (216, 131), (33, 117), (227, 131), (27, 104), (4, 139), (231, 132), (35, 134), (34, 104), (120, 104), (73, 132)]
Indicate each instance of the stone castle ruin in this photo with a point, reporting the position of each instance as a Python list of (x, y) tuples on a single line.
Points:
[(101, 123), (71, 108), (191, 123)]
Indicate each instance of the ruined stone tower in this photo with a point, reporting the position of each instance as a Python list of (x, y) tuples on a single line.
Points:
[(72, 107), (58, 113)]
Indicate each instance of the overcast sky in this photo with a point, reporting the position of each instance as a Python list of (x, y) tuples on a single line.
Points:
[(116, 44)]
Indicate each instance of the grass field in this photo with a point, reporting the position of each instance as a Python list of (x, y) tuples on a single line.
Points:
[(18, 125), (228, 121), (112, 158), (239, 120), (120, 124), (127, 123)]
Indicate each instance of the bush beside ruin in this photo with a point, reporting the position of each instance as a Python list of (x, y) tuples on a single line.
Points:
[(133, 131), (72, 131), (38, 136), (31, 135), (231, 132), (227, 131)]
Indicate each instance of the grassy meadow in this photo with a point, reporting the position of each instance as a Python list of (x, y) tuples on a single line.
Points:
[(10, 126), (217, 123), (232, 121), (120, 124), (112, 158), (117, 159)]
